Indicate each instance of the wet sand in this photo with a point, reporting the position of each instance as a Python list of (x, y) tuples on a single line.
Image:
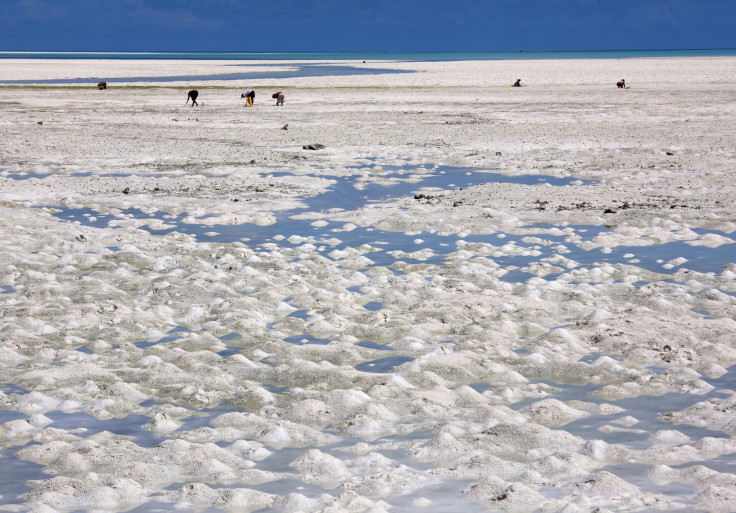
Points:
[(474, 344)]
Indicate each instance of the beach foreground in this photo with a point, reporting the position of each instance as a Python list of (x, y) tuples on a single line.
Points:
[(472, 298)]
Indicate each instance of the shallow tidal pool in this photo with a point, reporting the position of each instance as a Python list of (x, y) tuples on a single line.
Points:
[(305, 366)]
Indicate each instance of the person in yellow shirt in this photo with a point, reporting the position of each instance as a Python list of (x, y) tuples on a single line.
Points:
[(250, 96)]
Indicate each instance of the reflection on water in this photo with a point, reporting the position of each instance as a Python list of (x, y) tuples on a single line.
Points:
[(15, 473), (386, 364)]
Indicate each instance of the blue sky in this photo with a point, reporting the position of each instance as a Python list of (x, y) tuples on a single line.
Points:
[(365, 25)]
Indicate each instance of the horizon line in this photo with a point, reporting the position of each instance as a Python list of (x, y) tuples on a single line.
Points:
[(341, 52)]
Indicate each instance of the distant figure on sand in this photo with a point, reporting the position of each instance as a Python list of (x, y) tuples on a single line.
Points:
[(517, 83), (279, 98), (250, 97), (621, 84), (193, 95), (102, 85)]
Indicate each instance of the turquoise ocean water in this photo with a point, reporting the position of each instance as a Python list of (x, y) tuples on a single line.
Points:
[(301, 56)]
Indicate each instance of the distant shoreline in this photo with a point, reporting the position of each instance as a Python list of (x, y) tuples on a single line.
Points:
[(40, 72), (421, 56)]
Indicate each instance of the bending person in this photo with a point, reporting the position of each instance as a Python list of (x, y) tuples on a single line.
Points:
[(250, 96), (193, 95)]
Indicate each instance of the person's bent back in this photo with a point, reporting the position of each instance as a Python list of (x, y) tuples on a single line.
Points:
[(193, 95)]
